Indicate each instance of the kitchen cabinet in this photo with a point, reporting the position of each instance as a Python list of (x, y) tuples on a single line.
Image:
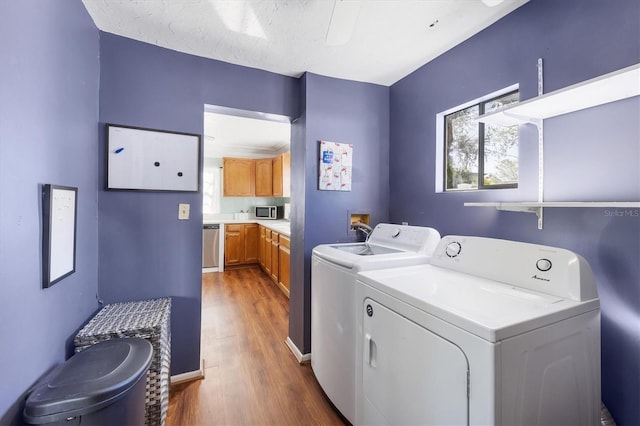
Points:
[(267, 251), (264, 182), (239, 176), (251, 238), (241, 244), (275, 242), (284, 263), (274, 257), (265, 177), (282, 175), (261, 246)]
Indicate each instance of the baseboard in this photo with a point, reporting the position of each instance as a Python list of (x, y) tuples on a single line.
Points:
[(302, 359), (189, 376)]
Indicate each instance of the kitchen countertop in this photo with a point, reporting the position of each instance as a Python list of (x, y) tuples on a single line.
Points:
[(281, 226)]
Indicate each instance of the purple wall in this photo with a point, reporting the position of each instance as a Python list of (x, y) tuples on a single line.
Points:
[(337, 111), (145, 251), (54, 60), (49, 82), (592, 155)]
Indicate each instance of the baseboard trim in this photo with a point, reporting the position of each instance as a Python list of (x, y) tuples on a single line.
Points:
[(189, 376), (302, 359)]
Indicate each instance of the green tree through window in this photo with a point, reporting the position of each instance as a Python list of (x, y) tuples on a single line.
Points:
[(478, 155)]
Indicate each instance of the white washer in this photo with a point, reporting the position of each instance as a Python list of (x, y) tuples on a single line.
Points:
[(490, 332), (333, 303)]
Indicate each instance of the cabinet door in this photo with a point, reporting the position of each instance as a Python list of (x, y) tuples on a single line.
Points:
[(264, 177), (233, 245), (251, 243), (238, 177), (284, 263), (282, 175), (275, 238), (267, 251), (261, 246)]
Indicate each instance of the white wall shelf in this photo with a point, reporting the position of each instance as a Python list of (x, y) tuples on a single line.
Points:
[(615, 86), (536, 207), (611, 87)]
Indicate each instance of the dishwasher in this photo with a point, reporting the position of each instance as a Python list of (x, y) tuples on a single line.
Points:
[(210, 246)]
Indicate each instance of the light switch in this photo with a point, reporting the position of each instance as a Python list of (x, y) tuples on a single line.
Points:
[(183, 211)]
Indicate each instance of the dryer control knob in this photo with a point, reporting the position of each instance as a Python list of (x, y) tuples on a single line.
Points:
[(543, 265), (453, 249), (395, 233)]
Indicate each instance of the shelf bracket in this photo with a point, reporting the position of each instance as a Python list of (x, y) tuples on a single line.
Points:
[(537, 210), (539, 123), (540, 127), (521, 118)]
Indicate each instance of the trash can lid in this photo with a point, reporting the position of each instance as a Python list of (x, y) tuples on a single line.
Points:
[(89, 380)]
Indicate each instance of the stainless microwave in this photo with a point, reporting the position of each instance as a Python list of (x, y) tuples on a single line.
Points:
[(269, 212)]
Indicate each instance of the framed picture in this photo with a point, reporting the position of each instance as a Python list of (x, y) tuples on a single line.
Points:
[(336, 166), (152, 160), (59, 222)]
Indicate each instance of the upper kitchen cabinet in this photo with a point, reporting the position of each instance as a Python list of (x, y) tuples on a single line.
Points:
[(265, 177), (282, 175), (239, 177)]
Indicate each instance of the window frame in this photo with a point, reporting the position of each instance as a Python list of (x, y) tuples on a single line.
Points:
[(441, 154)]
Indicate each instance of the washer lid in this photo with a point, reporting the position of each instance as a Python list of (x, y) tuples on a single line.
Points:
[(351, 256), (89, 380), (396, 245), (489, 309), (364, 249)]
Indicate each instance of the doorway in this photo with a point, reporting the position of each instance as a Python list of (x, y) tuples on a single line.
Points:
[(239, 134)]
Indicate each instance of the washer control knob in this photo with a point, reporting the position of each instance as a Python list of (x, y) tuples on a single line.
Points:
[(453, 249), (395, 233), (543, 265)]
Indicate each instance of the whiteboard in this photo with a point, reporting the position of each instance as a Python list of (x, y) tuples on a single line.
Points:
[(59, 207), (152, 160)]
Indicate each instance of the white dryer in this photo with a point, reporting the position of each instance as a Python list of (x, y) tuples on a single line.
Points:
[(333, 305), (491, 332)]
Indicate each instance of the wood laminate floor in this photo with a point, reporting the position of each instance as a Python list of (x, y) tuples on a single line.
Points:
[(251, 377)]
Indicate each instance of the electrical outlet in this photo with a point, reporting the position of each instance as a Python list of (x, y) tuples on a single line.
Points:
[(183, 211)]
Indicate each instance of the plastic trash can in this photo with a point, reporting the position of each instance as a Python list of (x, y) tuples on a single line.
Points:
[(102, 385)]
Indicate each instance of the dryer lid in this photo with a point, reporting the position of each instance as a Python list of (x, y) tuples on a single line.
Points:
[(489, 309)]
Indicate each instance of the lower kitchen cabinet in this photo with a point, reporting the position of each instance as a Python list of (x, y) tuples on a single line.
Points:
[(274, 257), (261, 246), (275, 238), (251, 238), (285, 263), (267, 251), (241, 244)]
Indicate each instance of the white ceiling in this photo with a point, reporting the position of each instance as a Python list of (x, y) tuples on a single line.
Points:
[(375, 41), (233, 136)]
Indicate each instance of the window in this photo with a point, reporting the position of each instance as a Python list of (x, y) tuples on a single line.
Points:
[(478, 155), (211, 187)]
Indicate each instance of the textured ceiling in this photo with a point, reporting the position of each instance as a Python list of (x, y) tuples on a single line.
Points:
[(376, 41), (233, 136)]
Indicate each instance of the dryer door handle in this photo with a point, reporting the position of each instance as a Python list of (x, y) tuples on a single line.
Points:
[(372, 350)]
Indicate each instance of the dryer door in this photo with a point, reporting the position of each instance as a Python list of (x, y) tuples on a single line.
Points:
[(410, 375)]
